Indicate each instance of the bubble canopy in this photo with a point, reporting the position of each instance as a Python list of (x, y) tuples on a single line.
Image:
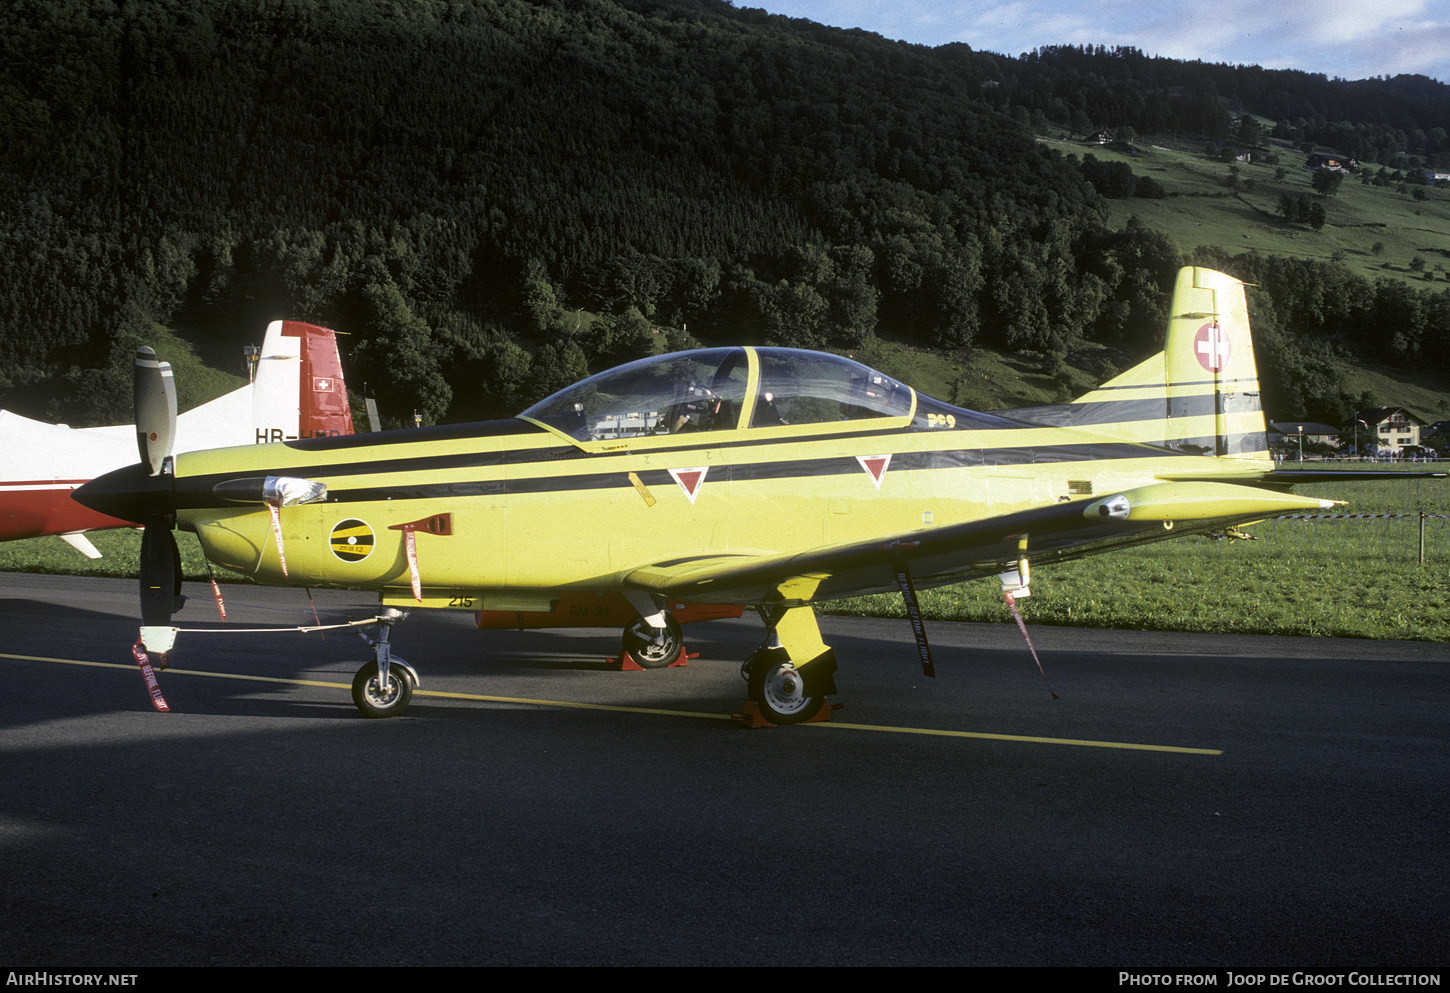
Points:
[(721, 389)]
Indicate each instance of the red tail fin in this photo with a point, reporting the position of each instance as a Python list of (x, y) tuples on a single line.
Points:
[(323, 409)]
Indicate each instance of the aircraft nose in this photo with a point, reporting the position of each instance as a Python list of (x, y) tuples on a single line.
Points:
[(128, 494)]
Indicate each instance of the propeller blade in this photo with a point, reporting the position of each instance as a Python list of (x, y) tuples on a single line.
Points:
[(155, 398), (160, 572)]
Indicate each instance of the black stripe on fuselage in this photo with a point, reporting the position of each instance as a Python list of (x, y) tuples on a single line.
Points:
[(1066, 415), (195, 492), (480, 460)]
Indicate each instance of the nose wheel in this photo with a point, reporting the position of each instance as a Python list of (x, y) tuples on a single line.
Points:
[(388, 696), (651, 647), (384, 686)]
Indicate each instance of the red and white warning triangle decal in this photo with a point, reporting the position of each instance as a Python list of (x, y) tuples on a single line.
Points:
[(875, 466), (690, 480)]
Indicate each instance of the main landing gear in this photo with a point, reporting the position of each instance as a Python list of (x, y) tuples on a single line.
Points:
[(384, 687), (790, 675)]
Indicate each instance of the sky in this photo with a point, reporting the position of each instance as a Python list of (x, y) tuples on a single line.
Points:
[(1352, 39)]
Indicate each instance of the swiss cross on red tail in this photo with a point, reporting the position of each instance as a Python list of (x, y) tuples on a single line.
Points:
[(690, 480), (875, 466), (1212, 348), (323, 384)]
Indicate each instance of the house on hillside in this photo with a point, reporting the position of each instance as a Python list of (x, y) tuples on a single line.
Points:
[(1103, 137), (1227, 152), (1330, 160), (1393, 428), (1286, 434)]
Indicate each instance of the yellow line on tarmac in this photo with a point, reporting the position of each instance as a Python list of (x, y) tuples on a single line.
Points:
[(619, 708), (182, 672), (883, 728), (1033, 739)]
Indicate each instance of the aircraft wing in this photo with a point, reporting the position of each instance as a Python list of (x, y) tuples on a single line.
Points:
[(948, 554)]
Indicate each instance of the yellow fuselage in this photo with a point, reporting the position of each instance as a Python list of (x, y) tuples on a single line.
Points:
[(531, 511)]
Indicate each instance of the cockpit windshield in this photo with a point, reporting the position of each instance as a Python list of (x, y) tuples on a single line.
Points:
[(700, 390), (798, 387)]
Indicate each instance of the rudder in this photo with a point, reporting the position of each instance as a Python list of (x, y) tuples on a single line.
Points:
[(323, 408)]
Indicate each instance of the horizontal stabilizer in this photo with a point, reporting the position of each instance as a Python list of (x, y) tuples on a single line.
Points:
[(81, 544)]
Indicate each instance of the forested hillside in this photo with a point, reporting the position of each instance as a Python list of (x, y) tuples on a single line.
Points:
[(462, 184)]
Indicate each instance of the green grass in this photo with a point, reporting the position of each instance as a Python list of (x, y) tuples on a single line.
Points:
[(196, 382), (120, 551), (1419, 391), (1336, 578), (1301, 582)]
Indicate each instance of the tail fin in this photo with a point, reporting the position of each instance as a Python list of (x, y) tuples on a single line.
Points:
[(323, 409), (296, 392), (1211, 376), (1200, 394)]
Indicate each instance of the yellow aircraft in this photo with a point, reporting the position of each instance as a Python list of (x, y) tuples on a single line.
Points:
[(768, 478)]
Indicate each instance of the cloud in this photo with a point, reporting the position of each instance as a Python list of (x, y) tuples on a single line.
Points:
[(1348, 38)]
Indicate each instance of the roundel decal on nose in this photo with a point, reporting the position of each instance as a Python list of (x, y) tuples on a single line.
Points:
[(352, 540)]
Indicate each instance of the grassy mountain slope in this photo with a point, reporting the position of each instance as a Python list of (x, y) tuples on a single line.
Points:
[(1200, 209)]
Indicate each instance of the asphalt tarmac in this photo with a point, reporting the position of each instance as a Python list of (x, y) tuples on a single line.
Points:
[(1225, 801)]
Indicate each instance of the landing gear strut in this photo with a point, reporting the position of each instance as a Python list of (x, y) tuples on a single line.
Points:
[(791, 673), (384, 686)]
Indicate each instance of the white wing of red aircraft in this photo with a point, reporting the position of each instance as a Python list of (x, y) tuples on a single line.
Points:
[(297, 391)]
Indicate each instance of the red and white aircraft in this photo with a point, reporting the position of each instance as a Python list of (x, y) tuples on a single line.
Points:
[(297, 391)]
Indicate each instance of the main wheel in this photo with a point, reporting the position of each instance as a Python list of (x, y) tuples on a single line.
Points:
[(375, 700), (653, 648), (779, 691)]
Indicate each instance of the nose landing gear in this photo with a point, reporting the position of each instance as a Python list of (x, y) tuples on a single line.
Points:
[(652, 647), (384, 687)]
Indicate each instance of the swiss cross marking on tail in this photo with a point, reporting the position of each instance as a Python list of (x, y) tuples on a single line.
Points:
[(1211, 346), (323, 384), (690, 480), (875, 466)]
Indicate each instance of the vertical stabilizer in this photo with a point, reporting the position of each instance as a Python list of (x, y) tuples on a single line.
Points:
[(1200, 394), (277, 386), (1212, 379), (297, 392)]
